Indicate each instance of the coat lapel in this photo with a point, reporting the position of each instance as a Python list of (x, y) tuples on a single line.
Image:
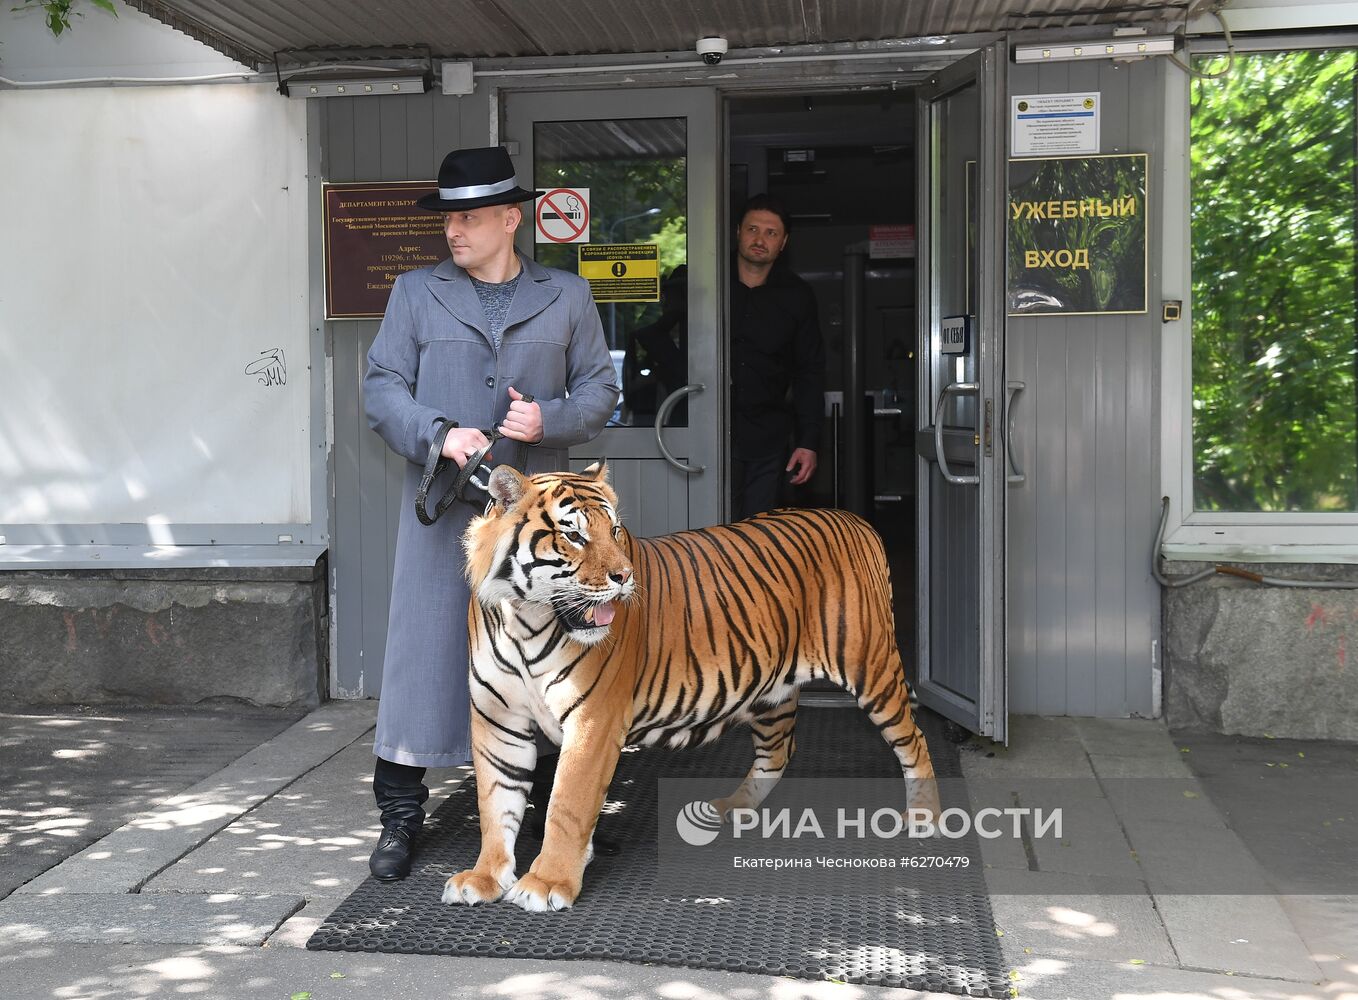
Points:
[(534, 294), (451, 286)]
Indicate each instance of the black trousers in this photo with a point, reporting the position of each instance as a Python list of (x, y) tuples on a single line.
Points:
[(401, 794), (757, 484)]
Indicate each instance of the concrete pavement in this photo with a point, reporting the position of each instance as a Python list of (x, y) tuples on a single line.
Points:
[(214, 891)]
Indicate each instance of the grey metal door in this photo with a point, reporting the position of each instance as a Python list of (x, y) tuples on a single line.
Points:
[(650, 161), (961, 467)]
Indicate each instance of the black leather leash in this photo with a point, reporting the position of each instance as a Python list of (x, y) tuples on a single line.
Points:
[(436, 464)]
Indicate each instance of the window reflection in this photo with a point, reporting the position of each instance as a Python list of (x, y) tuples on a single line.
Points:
[(636, 171)]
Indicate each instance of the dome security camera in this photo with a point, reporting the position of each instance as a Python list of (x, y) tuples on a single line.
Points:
[(711, 49)]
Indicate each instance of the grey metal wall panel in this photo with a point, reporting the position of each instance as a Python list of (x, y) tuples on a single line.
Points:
[(1046, 491), (368, 139), (376, 547), (1083, 610), (372, 139), (1142, 610), (1110, 519), (346, 573), (337, 146)]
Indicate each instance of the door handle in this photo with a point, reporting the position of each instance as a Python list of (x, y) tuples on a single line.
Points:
[(1013, 389), (940, 455), (662, 414)]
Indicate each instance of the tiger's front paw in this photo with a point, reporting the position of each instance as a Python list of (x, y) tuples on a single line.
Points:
[(474, 886), (538, 895)]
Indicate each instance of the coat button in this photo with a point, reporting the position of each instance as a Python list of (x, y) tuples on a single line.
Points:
[(490, 381)]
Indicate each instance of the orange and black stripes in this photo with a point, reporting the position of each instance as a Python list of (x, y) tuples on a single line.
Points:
[(718, 626)]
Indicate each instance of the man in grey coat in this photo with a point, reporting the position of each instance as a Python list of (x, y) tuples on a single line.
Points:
[(487, 339)]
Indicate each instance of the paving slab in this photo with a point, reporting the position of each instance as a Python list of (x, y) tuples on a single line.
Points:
[(1329, 926), (1005, 853), (1167, 802), (1065, 979), (1076, 917), (312, 838), (1036, 758), (296, 931), (1182, 847), (1141, 738), (45, 971), (1156, 765), (1241, 934), (72, 774), (1195, 860), (156, 838), (144, 918), (1293, 803), (1092, 843), (1091, 840), (1024, 729)]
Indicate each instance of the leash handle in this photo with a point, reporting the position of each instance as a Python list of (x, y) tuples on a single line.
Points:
[(436, 464), (433, 466)]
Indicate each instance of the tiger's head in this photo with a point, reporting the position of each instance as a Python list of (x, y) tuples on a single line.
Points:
[(553, 540)]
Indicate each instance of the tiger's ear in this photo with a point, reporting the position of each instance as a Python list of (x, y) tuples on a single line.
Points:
[(506, 485), (598, 471)]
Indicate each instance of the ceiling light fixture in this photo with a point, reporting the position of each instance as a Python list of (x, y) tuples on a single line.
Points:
[(1123, 47), (353, 72), (354, 86)]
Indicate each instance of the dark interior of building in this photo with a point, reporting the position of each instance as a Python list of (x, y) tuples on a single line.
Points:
[(843, 166)]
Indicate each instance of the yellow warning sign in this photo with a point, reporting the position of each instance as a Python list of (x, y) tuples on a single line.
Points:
[(621, 272)]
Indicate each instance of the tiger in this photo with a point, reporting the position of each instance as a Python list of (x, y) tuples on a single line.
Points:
[(602, 640)]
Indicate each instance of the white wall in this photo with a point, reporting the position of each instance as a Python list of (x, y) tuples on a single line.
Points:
[(154, 242), (100, 45)]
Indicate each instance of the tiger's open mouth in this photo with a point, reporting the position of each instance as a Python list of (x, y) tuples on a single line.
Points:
[(581, 619)]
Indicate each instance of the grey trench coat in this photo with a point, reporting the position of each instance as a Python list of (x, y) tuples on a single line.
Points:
[(433, 358)]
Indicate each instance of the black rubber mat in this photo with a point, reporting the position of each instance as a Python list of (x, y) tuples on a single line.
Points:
[(943, 942)]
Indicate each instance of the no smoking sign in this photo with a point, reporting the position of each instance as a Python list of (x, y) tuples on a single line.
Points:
[(563, 216)]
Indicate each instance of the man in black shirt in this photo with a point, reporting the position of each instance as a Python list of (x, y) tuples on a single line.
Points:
[(775, 346)]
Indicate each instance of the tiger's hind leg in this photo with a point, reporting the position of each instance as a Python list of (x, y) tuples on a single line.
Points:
[(885, 696), (774, 744)]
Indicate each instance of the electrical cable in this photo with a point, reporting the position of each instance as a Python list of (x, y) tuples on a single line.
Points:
[(1236, 571), (1215, 11), (245, 75)]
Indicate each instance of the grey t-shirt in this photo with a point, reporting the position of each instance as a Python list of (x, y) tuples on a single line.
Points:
[(495, 299)]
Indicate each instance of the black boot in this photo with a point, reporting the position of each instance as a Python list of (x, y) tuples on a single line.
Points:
[(544, 777), (390, 859), (401, 794)]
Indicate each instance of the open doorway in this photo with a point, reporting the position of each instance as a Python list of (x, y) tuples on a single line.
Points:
[(843, 167)]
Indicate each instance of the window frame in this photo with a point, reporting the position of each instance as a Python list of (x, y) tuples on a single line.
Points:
[(1259, 536)]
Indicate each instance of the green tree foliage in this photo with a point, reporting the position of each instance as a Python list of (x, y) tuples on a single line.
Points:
[(1275, 420), (58, 13), (638, 193), (621, 192)]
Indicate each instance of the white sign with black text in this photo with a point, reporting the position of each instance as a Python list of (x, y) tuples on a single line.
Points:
[(1055, 124)]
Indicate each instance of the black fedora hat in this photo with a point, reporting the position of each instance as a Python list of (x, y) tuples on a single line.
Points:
[(475, 178)]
